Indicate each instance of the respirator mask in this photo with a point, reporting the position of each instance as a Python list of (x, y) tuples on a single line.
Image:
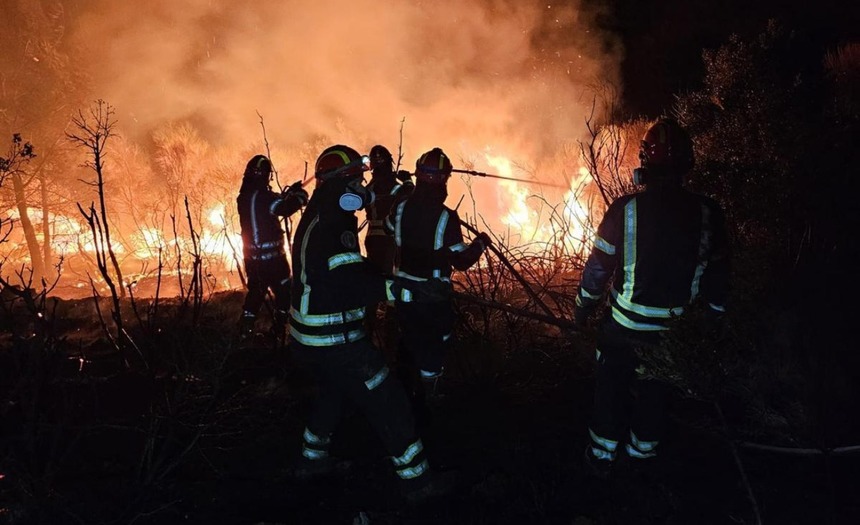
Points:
[(356, 195)]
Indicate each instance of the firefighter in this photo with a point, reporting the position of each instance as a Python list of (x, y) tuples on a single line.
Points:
[(265, 258), (662, 249), (333, 286), (389, 188), (430, 242)]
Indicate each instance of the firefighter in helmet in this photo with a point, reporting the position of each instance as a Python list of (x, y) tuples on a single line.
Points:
[(662, 249), (389, 188), (333, 286), (266, 265), (430, 243)]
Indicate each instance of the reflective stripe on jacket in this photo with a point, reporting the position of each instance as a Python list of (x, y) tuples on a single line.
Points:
[(332, 282), (259, 212), (665, 247), (429, 239)]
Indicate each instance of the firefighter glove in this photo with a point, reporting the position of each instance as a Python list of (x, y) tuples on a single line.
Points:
[(430, 291), (296, 191), (484, 240), (404, 176), (580, 316)]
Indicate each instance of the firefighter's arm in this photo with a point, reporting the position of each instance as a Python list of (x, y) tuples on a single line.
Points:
[(599, 267), (290, 201), (390, 222), (462, 255), (351, 275), (403, 190), (714, 285)]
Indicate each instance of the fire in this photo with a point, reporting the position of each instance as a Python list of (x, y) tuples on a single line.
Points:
[(526, 216), (532, 218)]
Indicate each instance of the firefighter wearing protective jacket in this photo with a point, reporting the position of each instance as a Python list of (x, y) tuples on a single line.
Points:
[(332, 288), (662, 248), (389, 188), (266, 265), (430, 242)]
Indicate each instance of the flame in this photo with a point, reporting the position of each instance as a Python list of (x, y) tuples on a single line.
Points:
[(521, 212), (517, 212)]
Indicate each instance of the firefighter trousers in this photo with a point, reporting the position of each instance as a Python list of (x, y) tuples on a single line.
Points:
[(628, 411), (426, 331), (271, 274), (357, 371)]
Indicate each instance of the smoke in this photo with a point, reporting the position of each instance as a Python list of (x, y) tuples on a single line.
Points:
[(508, 76)]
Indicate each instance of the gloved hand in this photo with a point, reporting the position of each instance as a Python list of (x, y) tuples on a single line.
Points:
[(580, 317), (429, 291), (296, 191), (403, 176), (484, 240)]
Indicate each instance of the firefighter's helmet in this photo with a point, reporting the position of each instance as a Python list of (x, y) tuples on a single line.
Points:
[(340, 161), (433, 167), (380, 157), (258, 168), (666, 145)]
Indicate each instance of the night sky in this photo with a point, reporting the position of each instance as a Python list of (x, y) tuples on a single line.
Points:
[(663, 40)]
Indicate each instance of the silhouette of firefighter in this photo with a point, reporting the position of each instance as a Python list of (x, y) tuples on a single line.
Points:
[(265, 258), (430, 243), (334, 284), (662, 249)]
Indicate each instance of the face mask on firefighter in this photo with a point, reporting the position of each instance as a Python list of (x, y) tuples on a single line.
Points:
[(356, 196)]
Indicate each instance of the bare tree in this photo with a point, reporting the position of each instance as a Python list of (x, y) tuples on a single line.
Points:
[(94, 128), (12, 166)]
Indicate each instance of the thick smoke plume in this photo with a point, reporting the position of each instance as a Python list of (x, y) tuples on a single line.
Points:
[(510, 76)]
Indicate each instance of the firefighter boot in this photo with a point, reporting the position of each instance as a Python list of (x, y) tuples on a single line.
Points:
[(431, 386), (428, 487), (279, 325), (597, 467)]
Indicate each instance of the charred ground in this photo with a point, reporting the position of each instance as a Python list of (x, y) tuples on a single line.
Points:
[(208, 432)]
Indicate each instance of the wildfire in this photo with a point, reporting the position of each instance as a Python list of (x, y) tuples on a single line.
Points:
[(528, 216), (531, 218)]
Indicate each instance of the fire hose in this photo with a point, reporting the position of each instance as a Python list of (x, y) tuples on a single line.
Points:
[(514, 179)]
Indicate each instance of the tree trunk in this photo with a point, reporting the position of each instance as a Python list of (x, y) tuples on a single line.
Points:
[(47, 250), (37, 263)]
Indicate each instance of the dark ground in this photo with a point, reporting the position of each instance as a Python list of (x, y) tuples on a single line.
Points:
[(510, 429)]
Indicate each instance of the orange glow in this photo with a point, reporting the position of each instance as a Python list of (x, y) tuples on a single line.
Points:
[(496, 85)]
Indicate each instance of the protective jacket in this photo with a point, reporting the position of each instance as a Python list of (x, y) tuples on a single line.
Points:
[(388, 192), (429, 238), (378, 243), (430, 244), (266, 265), (333, 283), (663, 247), (259, 209)]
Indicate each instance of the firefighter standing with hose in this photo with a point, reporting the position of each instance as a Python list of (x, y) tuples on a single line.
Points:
[(663, 248), (263, 250), (430, 244)]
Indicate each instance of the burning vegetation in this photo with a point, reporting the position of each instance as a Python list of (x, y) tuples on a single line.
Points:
[(127, 399)]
